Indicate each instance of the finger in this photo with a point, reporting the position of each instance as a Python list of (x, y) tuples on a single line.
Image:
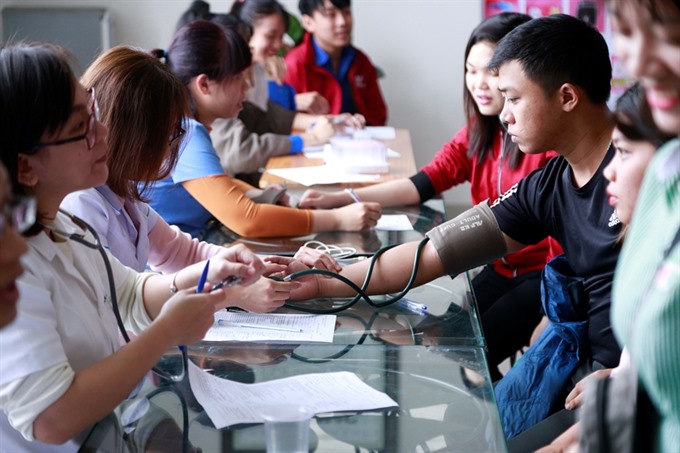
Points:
[(273, 268), (279, 260)]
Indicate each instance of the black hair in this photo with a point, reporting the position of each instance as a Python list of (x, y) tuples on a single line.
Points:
[(251, 11), (37, 91), (203, 47), (307, 7), (198, 10), (559, 49), (634, 118), (483, 129)]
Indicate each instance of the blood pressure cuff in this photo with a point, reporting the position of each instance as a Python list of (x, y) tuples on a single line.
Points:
[(471, 239)]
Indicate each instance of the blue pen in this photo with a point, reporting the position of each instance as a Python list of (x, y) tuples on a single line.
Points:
[(204, 277), (412, 306), (199, 289)]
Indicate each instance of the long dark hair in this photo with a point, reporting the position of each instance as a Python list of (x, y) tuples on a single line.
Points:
[(203, 47), (483, 129), (634, 118), (141, 103), (37, 90)]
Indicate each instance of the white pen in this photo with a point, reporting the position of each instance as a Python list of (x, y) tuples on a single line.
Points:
[(353, 194), (413, 306), (223, 322)]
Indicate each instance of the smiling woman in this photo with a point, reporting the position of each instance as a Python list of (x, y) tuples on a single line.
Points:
[(54, 144), (211, 61)]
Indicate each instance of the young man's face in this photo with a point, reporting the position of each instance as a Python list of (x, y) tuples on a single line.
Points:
[(533, 119), (331, 26)]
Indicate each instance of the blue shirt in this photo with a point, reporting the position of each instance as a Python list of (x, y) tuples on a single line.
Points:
[(198, 159), (347, 56), (283, 94)]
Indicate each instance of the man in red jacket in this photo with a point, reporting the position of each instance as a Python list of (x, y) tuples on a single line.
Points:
[(326, 63)]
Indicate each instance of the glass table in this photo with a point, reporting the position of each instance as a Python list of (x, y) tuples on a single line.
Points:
[(423, 217), (433, 365)]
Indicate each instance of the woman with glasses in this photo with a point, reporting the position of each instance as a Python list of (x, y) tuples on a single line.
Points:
[(142, 104), (63, 366), (212, 61), (16, 216)]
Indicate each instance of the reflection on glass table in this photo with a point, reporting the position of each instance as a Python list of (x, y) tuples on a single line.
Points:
[(450, 317), (445, 399), (423, 218)]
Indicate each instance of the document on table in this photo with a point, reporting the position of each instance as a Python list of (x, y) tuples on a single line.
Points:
[(394, 222), (320, 174), (228, 403), (271, 327), (317, 152), (374, 132)]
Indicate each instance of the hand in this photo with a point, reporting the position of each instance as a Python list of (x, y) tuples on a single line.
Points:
[(319, 259), (309, 287), (263, 296), (320, 132), (275, 67), (358, 216), (312, 102), (356, 121), (314, 199), (237, 260), (575, 397), (280, 266), (187, 316)]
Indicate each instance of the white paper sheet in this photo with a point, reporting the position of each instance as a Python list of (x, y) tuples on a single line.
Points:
[(320, 174), (228, 403), (375, 132), (317, 152), (271, 327), (394, 222)]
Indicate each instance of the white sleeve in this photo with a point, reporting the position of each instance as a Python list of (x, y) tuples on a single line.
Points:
[(129, 291), (25, 398)]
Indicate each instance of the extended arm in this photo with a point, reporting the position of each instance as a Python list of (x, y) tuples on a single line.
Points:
[(96, 390), (454, 247), (228, 203), (399, 192)]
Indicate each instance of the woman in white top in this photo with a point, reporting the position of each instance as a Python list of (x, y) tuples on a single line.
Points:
[(62, 365)]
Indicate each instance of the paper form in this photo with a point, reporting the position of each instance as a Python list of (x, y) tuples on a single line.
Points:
[(228, 403), (320, 174), (271, 327), (394, 222)]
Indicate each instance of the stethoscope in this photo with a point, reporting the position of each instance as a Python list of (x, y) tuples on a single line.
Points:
[(97, 245)]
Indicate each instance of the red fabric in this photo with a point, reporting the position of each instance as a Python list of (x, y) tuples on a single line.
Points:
[(452, 166), (304, 75)]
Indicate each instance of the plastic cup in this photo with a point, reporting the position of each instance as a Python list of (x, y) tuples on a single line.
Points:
[(287, 428)]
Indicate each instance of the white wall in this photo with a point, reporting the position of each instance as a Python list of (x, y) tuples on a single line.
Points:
[(418, 43)]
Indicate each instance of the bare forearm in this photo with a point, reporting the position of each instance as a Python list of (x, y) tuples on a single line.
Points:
[(98, 389), (399, 192), (390, 273)]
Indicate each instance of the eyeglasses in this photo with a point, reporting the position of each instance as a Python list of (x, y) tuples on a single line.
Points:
[(19, 213), (90, 135), (178, 133)]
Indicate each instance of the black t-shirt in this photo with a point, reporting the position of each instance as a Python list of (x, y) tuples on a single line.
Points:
[(546, 203)]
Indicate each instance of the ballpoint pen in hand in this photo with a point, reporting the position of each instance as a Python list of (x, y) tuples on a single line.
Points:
[(199, 289), (232, 280)]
